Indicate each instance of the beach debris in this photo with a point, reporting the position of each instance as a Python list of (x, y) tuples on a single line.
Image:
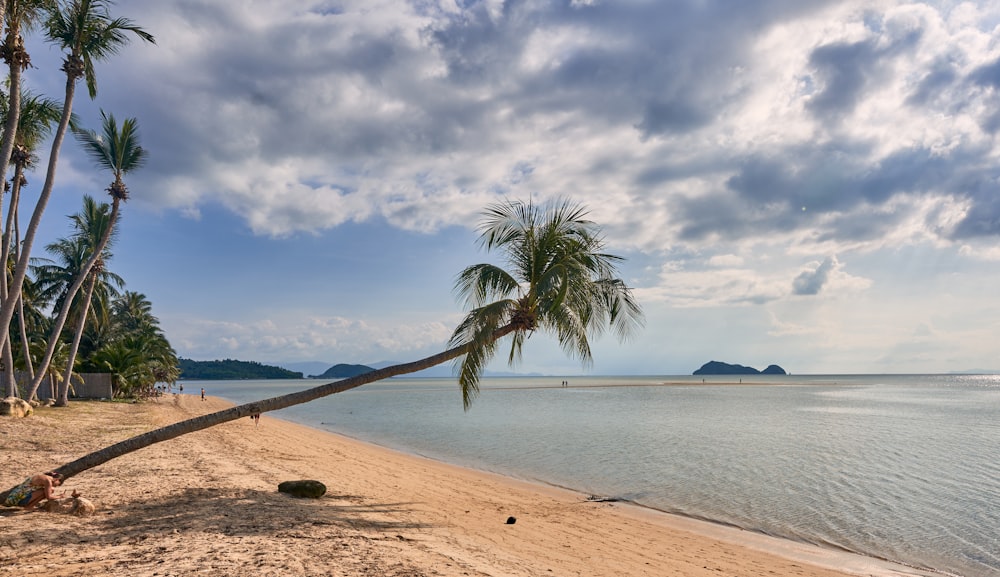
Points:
[(600, 499), (306, 488), (15, 407), (511, 520)]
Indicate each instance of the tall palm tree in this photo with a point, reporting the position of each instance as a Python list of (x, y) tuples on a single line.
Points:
[(19, 16), (118, 151), (96, 228), (86, 32), (37, 117), (561, 283), (60, 282)]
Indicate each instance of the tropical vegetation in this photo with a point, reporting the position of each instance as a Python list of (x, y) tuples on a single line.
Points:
[(71, 316), (232, 369)]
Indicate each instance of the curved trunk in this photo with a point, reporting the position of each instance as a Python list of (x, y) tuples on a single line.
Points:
[(16, 55), (21, 269), (60, 321), (63, 399), (273, 404), (15, 200)]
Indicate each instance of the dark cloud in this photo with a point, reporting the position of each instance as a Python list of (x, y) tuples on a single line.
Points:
[(834, 192), (987, 75), (845, 71), (811, 283), (661, 67), (848, 70), (934, 83)]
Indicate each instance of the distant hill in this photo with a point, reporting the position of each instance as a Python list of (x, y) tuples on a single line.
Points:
[(720, 368), (305, 367), (343, 371), (230, 369)]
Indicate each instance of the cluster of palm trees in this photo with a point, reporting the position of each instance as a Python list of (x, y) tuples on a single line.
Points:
[(90, 326)]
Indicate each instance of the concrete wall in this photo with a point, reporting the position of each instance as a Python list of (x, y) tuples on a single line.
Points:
[(94, 386)]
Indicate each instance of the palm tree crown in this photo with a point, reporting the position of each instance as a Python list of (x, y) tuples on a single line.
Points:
[(559, 282), (115, 150), (86, 31)]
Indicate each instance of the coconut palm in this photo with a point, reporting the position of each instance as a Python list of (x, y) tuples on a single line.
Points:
[(19, 16), (94, 226), (119, 152), (561, 283), (134, 349), (87, 33), (81, 257), (37, 117)]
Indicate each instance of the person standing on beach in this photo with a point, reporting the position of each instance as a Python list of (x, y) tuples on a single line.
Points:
[(203, 393)]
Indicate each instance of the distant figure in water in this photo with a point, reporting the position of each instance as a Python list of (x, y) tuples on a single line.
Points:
[(203, 393)]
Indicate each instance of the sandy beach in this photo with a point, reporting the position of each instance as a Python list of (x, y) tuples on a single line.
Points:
[(207, 504)]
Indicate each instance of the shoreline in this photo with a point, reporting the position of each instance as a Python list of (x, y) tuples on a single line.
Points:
[(829, 557), (208, 502)]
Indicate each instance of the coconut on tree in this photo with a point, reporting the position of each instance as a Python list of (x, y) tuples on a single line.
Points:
[(559, 282)]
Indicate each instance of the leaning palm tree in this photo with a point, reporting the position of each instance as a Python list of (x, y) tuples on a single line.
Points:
[(87, 33), (37, 117), (561, 283), (84, 254), (95, 226), (119, 152)]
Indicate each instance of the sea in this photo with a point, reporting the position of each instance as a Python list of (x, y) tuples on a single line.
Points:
[(903, 468)]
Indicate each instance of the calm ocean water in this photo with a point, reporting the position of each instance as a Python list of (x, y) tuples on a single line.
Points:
[(904, 468)]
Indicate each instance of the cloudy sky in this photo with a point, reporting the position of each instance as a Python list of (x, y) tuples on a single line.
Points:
[(814, 184)]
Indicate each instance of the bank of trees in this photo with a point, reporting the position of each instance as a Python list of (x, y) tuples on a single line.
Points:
[(66, 312)]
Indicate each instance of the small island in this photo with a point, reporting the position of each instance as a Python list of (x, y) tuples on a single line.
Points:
[(343, 371), (720, 368)]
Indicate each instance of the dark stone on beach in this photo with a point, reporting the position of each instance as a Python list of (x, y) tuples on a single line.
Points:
[(306, 488), (511, 520)]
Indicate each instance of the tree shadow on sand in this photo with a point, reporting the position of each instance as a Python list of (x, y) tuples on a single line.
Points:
[(250, 513)]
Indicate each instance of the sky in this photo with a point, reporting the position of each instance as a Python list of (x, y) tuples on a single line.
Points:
[(813, 184)]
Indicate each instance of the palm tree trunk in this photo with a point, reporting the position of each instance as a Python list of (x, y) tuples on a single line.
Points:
[(15, 200), (63, 399), (205, 421), (60, 321), (21, 269), (15, 45), (8, 370)]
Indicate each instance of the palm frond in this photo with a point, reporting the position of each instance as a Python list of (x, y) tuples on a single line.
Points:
[(564, 283)]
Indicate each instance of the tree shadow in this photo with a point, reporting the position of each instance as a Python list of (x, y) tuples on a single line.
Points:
[(246, 513)]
